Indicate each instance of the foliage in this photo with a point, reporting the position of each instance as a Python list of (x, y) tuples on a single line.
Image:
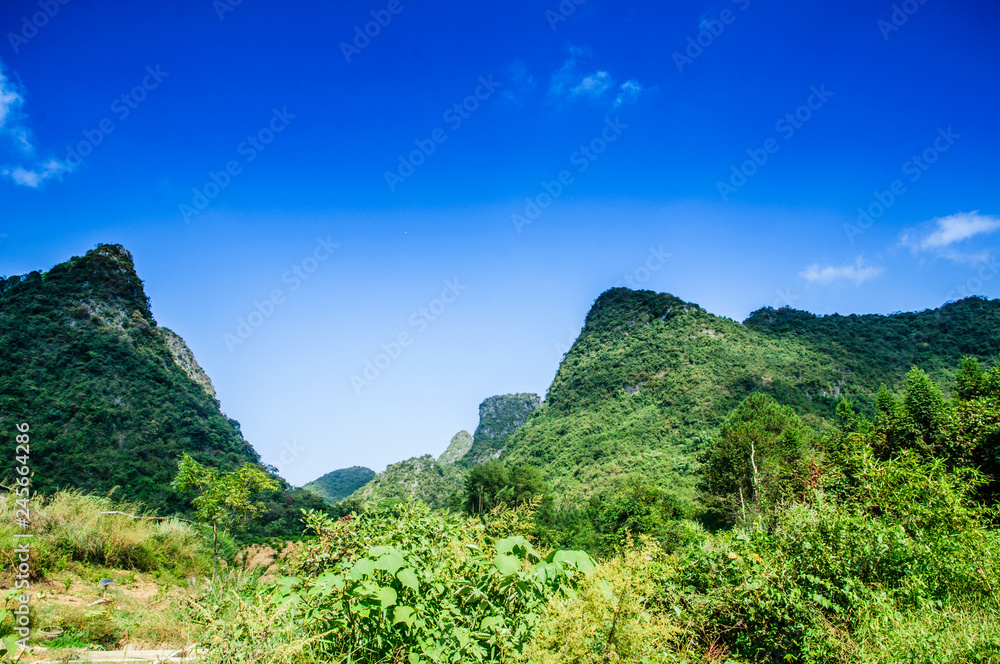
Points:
[(635, 507), (759, 461), (224, 500), (492, 484), (612, 616), (399, 584)]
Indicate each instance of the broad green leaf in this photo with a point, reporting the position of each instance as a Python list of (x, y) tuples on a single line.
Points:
[(361, 569), (407, 577), (491, 621), (507, 564), (578, 559), (327, 583), (390, 562), (403, 614), (387, 596), (517, 545)]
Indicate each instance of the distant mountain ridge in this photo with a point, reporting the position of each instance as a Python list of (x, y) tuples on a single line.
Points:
[(436, 481), (339, 484)]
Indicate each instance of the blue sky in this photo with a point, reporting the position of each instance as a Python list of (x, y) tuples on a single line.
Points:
[(445, 196)]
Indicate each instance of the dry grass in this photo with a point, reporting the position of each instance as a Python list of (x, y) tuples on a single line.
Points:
[(72, 526)]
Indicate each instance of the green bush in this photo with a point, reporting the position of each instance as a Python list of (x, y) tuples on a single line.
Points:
[(401, 584)]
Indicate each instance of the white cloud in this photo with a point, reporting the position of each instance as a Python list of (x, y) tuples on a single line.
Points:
[(14, 128), (628, 93), (11, 115), (859, 273), (940, 234), (594, 85), (34, 178), (570, 83)]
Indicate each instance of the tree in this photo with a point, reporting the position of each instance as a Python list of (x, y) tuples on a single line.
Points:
[(636, 506), (755, 463), (224, 500), (492, 483)]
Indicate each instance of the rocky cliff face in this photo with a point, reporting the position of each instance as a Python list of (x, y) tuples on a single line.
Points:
[(184, 358), (499, 418)]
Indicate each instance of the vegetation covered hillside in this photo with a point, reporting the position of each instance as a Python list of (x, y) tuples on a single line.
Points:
[(339, 484), (651, 377), (881, 349), (112, 398), (459, 446)]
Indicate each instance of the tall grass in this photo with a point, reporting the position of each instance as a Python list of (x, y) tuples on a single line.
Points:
[(73, 526)]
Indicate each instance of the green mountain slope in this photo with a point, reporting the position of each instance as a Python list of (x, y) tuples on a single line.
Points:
[(112, 398), (459, 446), (651, 378), (339, 484), (422, 478)]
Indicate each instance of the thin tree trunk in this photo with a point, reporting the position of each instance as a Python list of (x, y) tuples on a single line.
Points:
[(215, 549)]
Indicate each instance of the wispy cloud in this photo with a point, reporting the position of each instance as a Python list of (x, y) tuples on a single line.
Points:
[(859, 273), (18, 139), (593, 85), (573, 81), (520, 83), (940, 235), (629, 93)]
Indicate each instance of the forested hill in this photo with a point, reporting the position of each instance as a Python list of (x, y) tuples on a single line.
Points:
[(651, 377), (112, 398), (878, 349)]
